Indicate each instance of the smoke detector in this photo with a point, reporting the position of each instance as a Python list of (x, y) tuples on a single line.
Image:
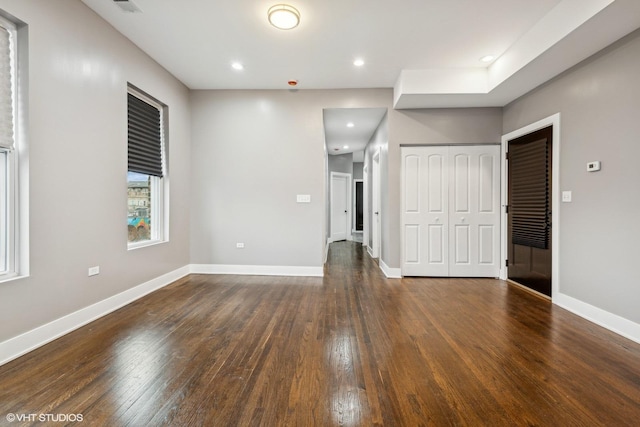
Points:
[(127, 6)]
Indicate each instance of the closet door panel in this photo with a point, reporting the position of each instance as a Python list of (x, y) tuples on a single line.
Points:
[(424, 211), (475, 208)]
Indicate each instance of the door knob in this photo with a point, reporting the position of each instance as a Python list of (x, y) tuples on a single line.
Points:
[(345, 211), (462, 219), (376, 213), (437, 219)]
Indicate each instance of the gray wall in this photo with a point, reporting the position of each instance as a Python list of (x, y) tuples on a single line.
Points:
[(357, 170), (379, 141), (599, 104), (252, 152), (79, 69), (341, 163)]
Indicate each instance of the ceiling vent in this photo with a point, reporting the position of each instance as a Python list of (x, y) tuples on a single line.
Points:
[(127, 6)]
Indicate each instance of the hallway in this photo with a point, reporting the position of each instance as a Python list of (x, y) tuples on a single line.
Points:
[(352, 349)]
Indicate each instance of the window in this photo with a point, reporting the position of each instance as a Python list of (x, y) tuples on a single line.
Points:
[(146, 169), (10, 264)]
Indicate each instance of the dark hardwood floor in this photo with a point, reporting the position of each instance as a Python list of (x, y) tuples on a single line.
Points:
[(352, 349)]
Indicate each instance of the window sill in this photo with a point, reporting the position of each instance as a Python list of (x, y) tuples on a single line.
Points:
[(4, 278), (145, 244)]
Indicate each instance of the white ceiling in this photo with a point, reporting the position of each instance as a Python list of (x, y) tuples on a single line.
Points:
[(197, 40), (428, 50), (338, 134)]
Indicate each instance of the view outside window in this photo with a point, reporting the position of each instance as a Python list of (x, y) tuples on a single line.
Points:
[(139, 207)]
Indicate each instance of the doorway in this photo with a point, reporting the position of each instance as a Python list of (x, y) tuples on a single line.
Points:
[(553, 189), (358, 205), (353, 136), (340, 206), (529, 208)]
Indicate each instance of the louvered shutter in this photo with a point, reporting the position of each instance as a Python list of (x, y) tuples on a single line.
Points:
[(145, 137), (529, 184)]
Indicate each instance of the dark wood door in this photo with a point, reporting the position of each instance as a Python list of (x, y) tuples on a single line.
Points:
[(529, 210)]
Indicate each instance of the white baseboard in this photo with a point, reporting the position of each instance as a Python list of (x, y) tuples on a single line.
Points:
[(257, 270), (370, 251), (28, 341), (610, 321), (391, 273)]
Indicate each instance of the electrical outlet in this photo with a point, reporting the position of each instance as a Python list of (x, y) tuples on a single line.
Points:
[(240, 245), (94, 271)]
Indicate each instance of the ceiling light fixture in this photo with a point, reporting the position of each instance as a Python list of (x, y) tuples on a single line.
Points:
[(487, 58), (237, 66), (358, 62), (283, 16), (350, 125), (346, 147)]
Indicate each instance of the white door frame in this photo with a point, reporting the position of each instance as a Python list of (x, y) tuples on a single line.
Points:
[(355, 208), (376, 227), (348, 206), (365, 210), (556, 203)]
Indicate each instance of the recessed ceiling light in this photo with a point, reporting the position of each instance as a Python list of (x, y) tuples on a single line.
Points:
[(358, 62), (487, 58), (350, 125), (283, 16), (237, 66), (345, 147)]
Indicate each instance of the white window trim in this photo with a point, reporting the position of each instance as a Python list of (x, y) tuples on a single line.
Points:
[(17, 173), (159, 187)]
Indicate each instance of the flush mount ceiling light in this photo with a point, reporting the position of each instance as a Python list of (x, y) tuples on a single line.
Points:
[(283, 16), (237, 66), (350, 125), (487, 58), (358, 62)]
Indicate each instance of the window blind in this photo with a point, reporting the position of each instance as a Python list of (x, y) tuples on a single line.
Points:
[(145, 137), (6, 90), (529, 187)]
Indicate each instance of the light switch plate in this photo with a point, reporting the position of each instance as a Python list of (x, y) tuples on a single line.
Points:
[(566, 196), (303, 198)]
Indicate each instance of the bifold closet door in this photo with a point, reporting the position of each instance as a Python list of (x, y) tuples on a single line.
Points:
[(425, 211), (450, 211), (474, 211)]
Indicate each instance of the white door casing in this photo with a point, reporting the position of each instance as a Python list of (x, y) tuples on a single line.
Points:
[(354, 206), (451, 211), (340, 206), (365, 210), (375, 206)]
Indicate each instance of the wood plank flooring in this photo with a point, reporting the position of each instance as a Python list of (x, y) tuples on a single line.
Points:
[(349, 349)]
